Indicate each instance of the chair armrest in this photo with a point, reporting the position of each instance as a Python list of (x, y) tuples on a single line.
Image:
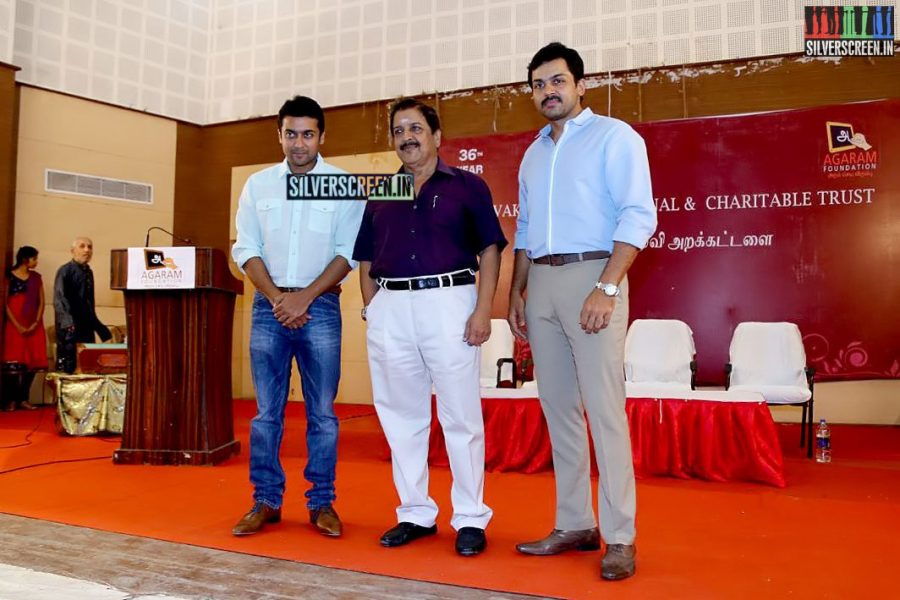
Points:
[(500, 363), (693, 374), (728, 370)]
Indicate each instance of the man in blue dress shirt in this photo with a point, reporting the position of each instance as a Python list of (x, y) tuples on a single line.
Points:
[(585, 211), (426, 323), (296, 254)]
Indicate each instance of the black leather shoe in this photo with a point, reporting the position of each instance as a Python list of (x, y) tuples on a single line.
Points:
[(470, 541), (404, 533)]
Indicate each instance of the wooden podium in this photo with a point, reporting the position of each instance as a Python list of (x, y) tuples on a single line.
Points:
[(178, 402)]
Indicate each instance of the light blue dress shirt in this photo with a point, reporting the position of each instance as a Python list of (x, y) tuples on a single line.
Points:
[(295, 239), (589, 189)]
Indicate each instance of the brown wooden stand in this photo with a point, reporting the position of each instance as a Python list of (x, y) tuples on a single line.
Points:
[(178, 402)]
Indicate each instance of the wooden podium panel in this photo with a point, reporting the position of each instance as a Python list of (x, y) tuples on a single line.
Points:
[(178, 403)]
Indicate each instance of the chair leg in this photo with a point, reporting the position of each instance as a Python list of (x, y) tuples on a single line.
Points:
[(803, 427), (809, 447)]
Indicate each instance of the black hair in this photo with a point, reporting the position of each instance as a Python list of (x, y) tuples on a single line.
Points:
[(302, 106), (23, 254), (555, 50), (431, 116)]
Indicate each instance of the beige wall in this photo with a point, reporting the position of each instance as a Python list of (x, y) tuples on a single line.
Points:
[(355, 387), (873, 402), (79, 136)]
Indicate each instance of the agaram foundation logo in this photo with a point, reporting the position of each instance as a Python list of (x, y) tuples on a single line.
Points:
[(159, 267), (849, 153), (156, 259)]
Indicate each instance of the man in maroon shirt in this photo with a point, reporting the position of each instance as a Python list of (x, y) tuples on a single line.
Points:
[(426, 323)]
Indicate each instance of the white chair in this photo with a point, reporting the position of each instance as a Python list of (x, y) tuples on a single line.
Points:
[(659, 358), (769, 358), (497, 352)]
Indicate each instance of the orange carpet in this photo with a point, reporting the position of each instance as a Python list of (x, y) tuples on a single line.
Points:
[(831, 533)]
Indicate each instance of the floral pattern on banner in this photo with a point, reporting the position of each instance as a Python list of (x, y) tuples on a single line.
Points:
[(851, 361)]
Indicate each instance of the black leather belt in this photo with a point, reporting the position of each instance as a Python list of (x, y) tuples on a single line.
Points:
[(557, 260), (336, 289), (425, 283)]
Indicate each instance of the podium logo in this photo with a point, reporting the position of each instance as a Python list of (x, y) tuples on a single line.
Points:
[(848, 30), (849, 153), (350, 186), (156, 259)]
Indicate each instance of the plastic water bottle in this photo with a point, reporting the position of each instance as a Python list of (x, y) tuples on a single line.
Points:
[(823, 442)]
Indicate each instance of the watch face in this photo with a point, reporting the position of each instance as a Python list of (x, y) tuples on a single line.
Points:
[(610, 289)]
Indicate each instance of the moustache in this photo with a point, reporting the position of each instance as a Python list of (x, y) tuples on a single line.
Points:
[(549, 98), (409, 144)]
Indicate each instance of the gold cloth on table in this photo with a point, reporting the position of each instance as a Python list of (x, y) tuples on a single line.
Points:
[(90, 404)]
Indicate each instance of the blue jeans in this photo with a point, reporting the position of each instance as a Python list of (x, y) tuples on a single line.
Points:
[(317, 349)]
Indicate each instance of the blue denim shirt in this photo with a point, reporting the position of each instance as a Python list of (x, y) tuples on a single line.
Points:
[(295, 240)]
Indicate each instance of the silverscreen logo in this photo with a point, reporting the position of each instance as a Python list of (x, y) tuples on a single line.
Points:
[(351, 186), (848, 31)]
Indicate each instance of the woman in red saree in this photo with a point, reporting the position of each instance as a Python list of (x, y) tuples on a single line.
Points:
[(24, 339)]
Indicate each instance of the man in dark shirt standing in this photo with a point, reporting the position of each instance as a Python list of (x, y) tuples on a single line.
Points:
[(426, 323), (73, 301)]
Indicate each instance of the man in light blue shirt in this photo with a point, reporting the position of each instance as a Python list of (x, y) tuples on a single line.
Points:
[(296, 254), (585, 211)]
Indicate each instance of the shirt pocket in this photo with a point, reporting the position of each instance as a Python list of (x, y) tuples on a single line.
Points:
[(270, 212), (321, 216)]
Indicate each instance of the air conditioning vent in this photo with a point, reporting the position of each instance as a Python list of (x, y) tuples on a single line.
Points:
[(78, 184)]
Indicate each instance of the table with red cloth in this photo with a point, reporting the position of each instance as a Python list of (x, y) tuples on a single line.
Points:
[(711, 435)]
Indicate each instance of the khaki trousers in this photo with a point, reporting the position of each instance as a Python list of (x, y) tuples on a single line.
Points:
[(581, 382)]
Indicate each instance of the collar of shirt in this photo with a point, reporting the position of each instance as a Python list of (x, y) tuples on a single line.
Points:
[(582, 119), (441, 167), (282, 169)]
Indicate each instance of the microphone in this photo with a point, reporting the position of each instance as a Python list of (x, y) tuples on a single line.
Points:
[(174, 237)]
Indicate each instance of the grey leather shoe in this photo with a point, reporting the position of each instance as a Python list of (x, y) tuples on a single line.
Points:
[(618, 562), (561, 540)]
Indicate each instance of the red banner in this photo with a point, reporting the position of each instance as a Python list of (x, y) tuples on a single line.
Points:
[(785, 216)]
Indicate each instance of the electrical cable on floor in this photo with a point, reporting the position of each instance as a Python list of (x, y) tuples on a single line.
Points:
[(27, 441), (55, 462)]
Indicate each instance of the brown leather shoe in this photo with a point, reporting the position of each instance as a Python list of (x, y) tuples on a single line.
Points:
[(561, 540), (326, 520), (253, 521), (618, 562)]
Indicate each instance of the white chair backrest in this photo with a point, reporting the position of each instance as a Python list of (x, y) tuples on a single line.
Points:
[(767, 353), (659, 351), (499, 345)]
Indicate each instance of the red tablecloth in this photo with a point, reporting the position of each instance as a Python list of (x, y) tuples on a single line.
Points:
[(711, 440)]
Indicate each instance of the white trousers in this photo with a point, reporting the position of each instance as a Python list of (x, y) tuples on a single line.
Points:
[(415, 340)]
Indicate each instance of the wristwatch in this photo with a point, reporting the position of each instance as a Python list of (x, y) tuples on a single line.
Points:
[(608, 289)]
